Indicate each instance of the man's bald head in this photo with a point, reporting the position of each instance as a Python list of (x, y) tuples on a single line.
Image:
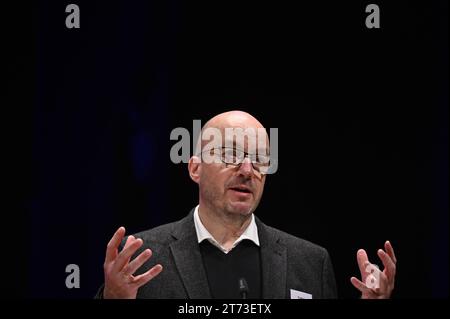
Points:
[(233, 119), (228, 123)]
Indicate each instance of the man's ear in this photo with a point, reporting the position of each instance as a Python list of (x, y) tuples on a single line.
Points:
[(194, 168)]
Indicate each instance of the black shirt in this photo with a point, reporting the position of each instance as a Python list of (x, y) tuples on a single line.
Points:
[(225, 270)]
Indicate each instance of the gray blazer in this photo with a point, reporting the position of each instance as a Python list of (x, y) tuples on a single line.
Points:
[(288, 263)]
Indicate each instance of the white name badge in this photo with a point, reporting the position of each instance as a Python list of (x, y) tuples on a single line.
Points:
[(295, 294)]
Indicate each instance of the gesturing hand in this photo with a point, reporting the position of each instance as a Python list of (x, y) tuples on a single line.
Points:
[(119, 270), (376, 284)]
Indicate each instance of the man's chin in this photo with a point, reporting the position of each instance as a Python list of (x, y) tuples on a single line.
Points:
[(240, 208)]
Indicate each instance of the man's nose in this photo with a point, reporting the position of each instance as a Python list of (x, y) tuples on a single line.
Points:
[(246, 167)]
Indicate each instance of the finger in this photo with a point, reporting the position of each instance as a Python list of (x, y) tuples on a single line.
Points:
[(390, 251), (125, 255), (363, 260), (389, 265), (130, 240), (147, 276), (137, 262), (358, 284), (113, 245)]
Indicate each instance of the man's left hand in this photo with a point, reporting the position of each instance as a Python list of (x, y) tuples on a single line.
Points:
[(376, 284)]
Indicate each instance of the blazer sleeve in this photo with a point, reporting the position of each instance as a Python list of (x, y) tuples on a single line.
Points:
[(329, 290)]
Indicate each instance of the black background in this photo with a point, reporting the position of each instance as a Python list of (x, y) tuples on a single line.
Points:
[(362, 117)]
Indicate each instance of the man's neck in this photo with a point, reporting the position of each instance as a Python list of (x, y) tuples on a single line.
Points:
[(225, 228)]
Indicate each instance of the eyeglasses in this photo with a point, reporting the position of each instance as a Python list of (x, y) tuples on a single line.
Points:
[(235, 157)]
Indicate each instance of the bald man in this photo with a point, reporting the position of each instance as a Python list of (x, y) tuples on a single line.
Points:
[(221, 249)]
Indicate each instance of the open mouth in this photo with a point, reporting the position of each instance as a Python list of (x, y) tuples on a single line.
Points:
[(241, 189)]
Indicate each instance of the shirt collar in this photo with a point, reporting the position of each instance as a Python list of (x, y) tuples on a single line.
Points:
[(251, 233)]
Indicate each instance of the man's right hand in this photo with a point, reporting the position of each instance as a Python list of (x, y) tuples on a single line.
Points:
[(119, 280)]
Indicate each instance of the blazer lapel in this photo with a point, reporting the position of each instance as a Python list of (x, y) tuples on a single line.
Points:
[(274, 263), (188, 259)]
